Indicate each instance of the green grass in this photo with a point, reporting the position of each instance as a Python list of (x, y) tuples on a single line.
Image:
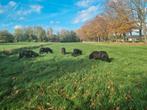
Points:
[(5, 46), (58, 82)]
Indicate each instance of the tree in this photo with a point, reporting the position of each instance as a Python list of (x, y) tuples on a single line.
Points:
[(68, 36), (120, 19), (50, 34), (139, 14), (100, 28), (96, 29), (86, 32), (40, 33), (6, 37), (19, 34), (29, 33), (137, 8), (115, 21), (25, 34)]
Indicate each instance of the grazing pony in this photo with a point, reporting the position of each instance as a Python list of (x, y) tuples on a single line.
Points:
[(27, 54), (99, 55), (45, 50)]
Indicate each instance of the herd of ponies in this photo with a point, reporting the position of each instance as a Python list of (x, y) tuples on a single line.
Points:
[(96, 55)]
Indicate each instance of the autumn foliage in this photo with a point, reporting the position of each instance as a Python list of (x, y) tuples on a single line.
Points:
[(114, 23)]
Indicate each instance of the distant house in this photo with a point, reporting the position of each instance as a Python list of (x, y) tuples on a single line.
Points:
[(134, 38)]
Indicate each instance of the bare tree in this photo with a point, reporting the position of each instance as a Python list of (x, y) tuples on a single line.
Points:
[(139, 14), (119, 13)]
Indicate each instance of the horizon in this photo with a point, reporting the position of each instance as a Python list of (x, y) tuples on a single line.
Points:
[(57, 14)]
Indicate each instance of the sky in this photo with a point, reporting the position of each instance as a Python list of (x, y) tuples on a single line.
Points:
[(58, 14)]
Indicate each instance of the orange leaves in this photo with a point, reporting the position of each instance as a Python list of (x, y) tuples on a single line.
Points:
[(116, 20), (120, 15), (94, 29)]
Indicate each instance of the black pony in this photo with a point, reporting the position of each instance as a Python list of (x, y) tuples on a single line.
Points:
[(45, 50), (27, 54), (100, 55)]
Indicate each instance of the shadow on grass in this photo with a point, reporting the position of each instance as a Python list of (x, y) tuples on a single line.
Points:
[(9, 52), (22, 74), (22, 80)]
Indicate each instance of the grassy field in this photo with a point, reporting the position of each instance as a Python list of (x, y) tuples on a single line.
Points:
[(58, 82), (7, 46)]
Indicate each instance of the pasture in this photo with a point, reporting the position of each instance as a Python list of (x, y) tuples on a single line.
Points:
[(63, 82)]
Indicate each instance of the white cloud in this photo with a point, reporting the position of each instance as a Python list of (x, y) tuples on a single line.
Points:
[(86, 14), (12, 4), (32, 9), (8, 7), (24, 12), (18, 27), (36, 8), (89, 9), (53, 22), (85, 3)]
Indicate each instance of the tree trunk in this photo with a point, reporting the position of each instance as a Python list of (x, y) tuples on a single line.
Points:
[(140, 32), (124, 37), (145, 32), (98, 39), (130, 33)]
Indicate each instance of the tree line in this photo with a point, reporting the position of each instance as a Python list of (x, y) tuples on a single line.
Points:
[(38, 34), (119, 19)]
